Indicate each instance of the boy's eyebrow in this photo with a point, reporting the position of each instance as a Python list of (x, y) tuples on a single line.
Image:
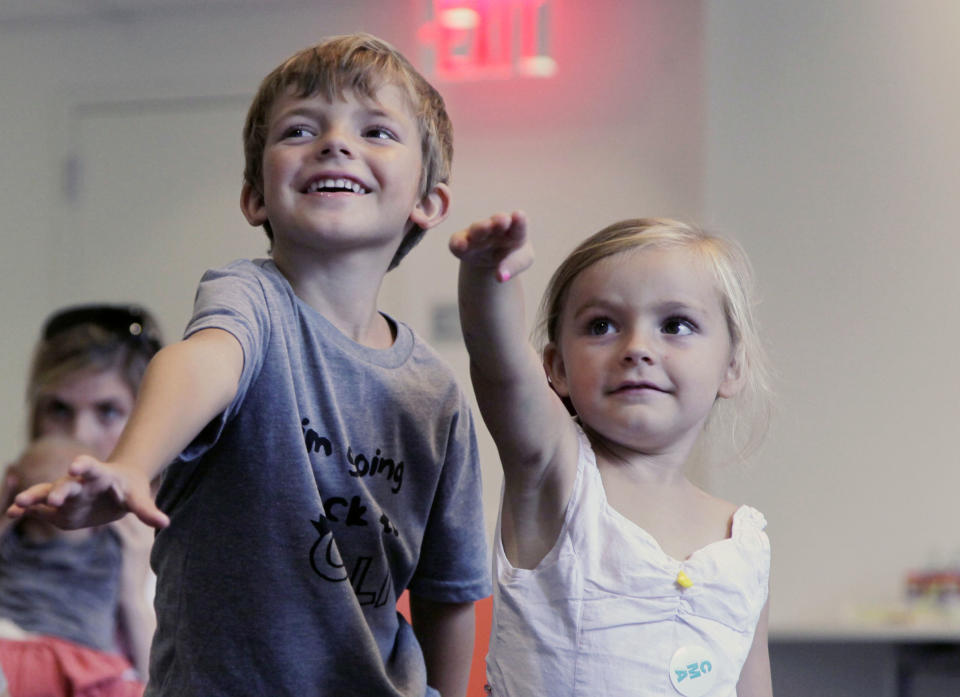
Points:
[(298, 109), (305, 109), (377, 110)]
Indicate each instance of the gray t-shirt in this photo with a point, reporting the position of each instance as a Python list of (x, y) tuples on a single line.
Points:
[(338, 477)]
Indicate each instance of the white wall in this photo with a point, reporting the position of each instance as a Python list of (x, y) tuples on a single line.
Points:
[(832, 152), (617, 133)]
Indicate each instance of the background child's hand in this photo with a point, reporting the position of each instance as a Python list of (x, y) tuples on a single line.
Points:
[(499, 242), (93, 493)]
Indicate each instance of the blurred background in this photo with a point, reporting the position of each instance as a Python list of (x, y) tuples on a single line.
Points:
[(822, 134)]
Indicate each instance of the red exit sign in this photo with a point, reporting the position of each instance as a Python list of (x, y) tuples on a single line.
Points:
[(489, 39)]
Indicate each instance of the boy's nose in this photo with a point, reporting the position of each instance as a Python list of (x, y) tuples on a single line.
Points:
[(335, 143)]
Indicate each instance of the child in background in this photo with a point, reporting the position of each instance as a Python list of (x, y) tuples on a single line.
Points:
[(615, 574), (325, 457), (58, 595), (84, 377)]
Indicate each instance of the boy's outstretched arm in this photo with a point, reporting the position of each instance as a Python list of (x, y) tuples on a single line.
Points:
[(185, 386), (445, 632), (526, 419)]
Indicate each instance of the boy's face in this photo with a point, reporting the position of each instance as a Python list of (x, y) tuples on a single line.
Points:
[(342, 175)]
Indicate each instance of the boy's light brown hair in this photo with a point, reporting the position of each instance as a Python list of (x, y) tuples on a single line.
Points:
[(361, 63)]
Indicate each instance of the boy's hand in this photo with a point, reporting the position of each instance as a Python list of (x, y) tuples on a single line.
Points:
[(93, 493), (499, 242)]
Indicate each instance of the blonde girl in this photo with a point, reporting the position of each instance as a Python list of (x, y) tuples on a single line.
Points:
[(615, 574)]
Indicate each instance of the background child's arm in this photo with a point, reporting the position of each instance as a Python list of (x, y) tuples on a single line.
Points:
[(8, 488), (137, 619), (755, 676), (445, 632), (185, 386), (527, 420)]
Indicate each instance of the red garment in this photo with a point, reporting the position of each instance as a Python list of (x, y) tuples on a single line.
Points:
[(46, 666)]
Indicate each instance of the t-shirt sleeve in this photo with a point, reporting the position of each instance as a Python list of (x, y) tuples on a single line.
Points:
[(454, 566), (233, 299)]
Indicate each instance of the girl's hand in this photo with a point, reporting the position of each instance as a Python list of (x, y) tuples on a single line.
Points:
[(93, 493), (499, 243)]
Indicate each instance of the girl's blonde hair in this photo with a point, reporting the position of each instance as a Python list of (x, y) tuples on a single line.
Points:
[(750, 413)]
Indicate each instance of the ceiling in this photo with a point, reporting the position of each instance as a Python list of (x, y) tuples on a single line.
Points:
[(59, 11)]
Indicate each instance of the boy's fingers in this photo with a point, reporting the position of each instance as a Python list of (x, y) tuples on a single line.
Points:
[(146, 510), (32, 495), (15, 511), (62, 490), (84, 465), (36, 510)]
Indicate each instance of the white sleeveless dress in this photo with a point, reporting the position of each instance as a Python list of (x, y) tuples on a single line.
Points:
[(603, 614)]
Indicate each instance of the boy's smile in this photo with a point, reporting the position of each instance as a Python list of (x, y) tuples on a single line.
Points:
[(341, 175)]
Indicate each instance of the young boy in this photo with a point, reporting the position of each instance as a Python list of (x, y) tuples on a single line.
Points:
[(325, 458)]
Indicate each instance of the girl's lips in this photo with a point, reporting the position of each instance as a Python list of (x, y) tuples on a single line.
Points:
[(637, 387)]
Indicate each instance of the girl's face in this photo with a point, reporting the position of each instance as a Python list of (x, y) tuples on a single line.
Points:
[(643, 349), (90, 407)]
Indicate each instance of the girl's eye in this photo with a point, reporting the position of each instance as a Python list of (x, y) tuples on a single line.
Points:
[(678, 326), (379, 133), (600, 326)]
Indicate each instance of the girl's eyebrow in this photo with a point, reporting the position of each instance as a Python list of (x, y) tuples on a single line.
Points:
[(664, 307), (592, 305), (680, 306)]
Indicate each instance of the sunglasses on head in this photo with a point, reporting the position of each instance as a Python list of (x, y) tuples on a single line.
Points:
[(128, 322)]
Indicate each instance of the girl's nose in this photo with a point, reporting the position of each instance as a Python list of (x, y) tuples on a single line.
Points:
[(637, 349)]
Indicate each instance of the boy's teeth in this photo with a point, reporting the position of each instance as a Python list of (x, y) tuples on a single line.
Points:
[(341, 184)]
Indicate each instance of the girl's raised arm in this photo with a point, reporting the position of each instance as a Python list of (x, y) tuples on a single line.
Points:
[(533, 431)]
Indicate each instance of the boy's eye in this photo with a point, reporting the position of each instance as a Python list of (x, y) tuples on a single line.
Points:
[(297, 132), (600, 326), (678, 326), (379, 133)]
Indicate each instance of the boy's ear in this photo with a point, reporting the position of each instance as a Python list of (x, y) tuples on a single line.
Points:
[(252, 204), (734, 377), (432, 208), (555, 369)]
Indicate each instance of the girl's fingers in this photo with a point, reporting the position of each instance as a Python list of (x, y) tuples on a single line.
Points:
[(514, 263)]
